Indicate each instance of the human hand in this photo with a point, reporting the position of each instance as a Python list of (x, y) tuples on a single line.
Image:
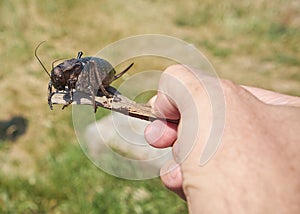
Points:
[(256, 168)]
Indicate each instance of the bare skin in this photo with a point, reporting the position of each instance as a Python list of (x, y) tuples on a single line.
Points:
[(257, 166)]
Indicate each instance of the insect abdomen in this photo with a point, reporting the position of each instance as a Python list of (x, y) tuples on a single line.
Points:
[(95, 72)]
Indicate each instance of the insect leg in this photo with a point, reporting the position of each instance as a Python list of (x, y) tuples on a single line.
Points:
[(96, 77), (50, 94), (93, 99), (104, 91), (93, 80), (70, 92)]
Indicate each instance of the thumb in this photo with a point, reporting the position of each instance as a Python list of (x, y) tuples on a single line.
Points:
[(174, 100)]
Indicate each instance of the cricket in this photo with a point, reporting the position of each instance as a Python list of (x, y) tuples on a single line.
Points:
[(86, 74)]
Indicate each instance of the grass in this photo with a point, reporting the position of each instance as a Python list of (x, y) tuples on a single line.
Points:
[(68, 182), (44, 170)]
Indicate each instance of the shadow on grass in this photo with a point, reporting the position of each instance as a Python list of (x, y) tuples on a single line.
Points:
[(13, 128)]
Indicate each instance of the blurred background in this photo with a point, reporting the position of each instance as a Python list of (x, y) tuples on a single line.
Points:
[(42, 167)]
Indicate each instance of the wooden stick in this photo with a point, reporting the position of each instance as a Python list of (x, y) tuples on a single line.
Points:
[(118, 103)]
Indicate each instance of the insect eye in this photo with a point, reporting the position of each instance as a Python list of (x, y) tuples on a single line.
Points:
[(59, 78)]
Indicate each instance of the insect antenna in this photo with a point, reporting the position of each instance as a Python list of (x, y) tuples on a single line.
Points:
[(35, 53), (55, 62)]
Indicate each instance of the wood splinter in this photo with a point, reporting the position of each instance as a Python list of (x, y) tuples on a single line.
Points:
[(118, 103)]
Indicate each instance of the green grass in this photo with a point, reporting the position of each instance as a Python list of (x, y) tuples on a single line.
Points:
[(45, 171), (68, 182)]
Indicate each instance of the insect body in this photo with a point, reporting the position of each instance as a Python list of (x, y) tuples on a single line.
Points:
[(87, 74)]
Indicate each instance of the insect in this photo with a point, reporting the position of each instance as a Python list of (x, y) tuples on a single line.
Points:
[(87, 74)]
